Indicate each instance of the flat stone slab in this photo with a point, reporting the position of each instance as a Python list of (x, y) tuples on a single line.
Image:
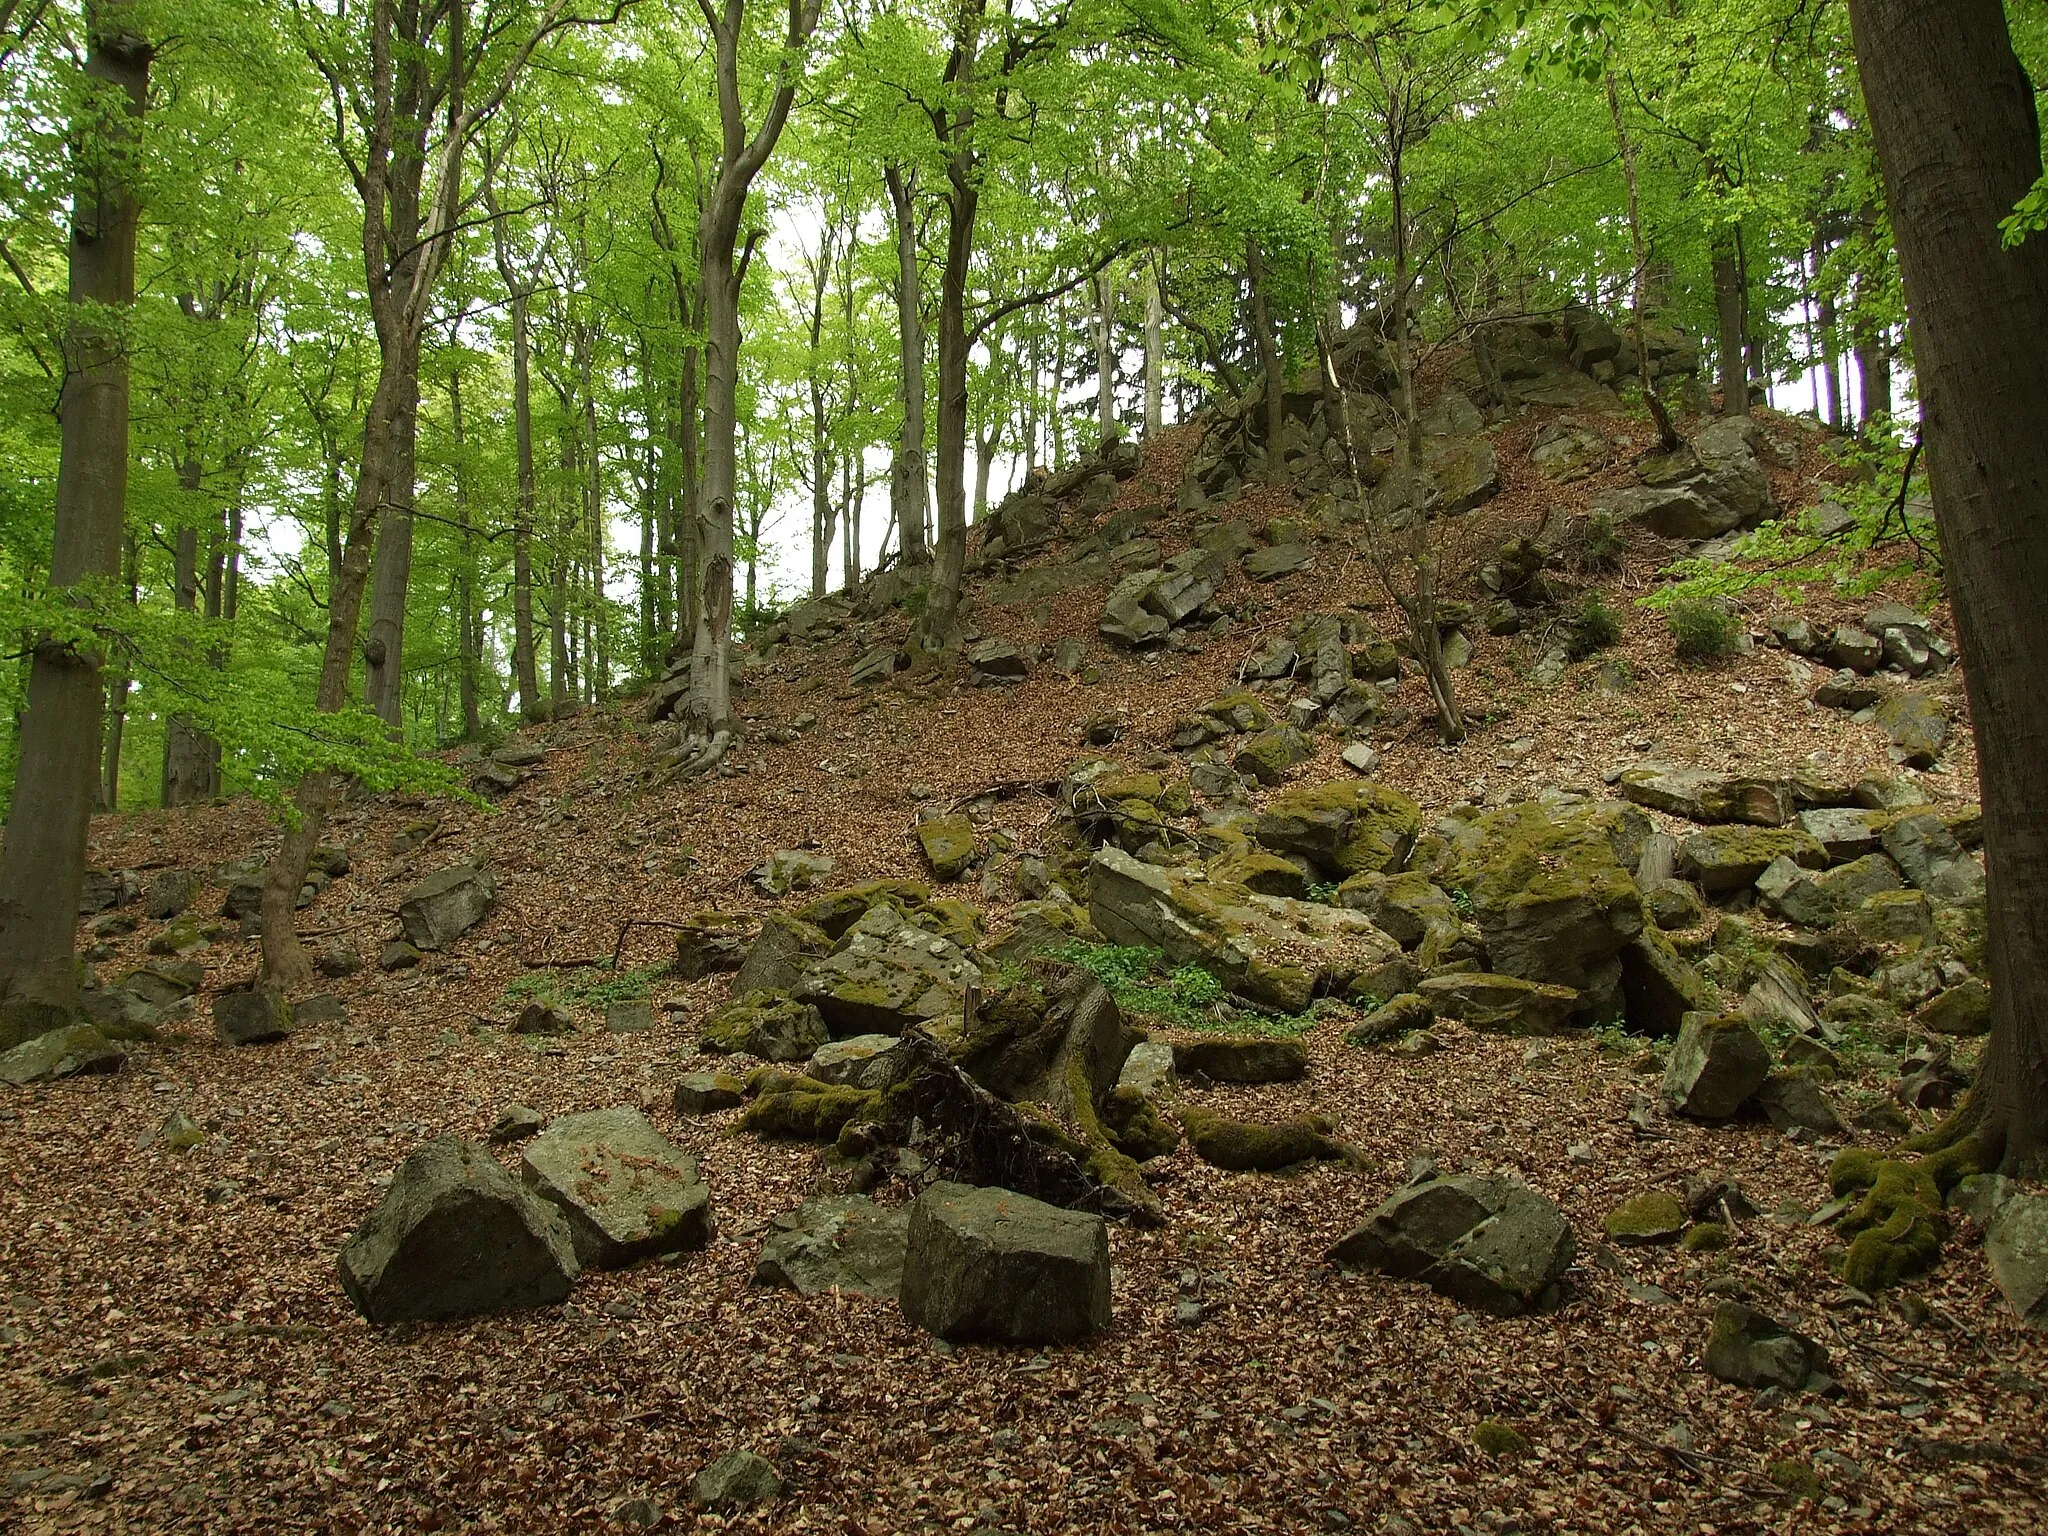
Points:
[(837, 1243), (626, 1192)]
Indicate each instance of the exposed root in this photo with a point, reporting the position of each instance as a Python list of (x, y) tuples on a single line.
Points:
[(696, 756)]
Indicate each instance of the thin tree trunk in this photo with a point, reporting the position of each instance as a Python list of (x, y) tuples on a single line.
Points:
[(1155, 351), (189, 755), (1269, 362), (1830, 336), (391, 572), (117, 695), (1874, 375), (465, 572), (1105, 356), (42, 863), (1952, 112), (1639, 278), (1728, 335), (908, 478), (599, 669)]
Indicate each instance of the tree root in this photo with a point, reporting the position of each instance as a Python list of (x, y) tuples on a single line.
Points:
[(696, 756)]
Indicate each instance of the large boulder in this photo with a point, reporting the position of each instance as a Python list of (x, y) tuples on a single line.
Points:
[(1724, 859), (252, 1016), (836, 1243), (446, 905), (1491, 1243), (1931, 858), (2016, 1242), (1269, 949), (68, 1051), (1715, 1067), (859, 1061), (1343, 828), (886, 974), (1498, 1004), (777, 959), (1917, 725), (626, 1191), (711, 941), (455, 1235), (770, 1025), (1224, 1059), (995, 1265), (1551, 897), (1659, 986)]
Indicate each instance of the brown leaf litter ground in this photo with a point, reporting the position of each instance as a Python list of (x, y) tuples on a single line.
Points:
[(178, 1356)]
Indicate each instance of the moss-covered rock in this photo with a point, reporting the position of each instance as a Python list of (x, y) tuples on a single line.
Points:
[(1715, 1067), (887, 974), (1344, 828), (1269, 756), (1498, 1004), (1550, 897), (808, 1110), (770, 1025), (1749, 1349), (1407, 907), (839, 910), (1963, 1010), (1265, 874), (1400, 1015), (1656, 1217), (1252, 1147), (1895, 919), (1674, 905), (710, 942), (948, 844), (1707, 1237), (1724, 859), (1795, 1477), (1135, 1125), (1248, 1059), (1898, 1228), (1501, 1441)]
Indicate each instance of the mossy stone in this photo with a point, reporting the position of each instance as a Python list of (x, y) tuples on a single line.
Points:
[(808, 1110), (1501, 1441), (1707, 1237), (1656, 1217), (1795, 1477), (1134, 1123), (1247, 1146)]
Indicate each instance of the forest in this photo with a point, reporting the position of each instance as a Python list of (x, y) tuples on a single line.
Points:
[(1173, 664)]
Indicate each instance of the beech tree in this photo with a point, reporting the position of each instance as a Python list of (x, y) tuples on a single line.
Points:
[(1957, 133), (42, 862)]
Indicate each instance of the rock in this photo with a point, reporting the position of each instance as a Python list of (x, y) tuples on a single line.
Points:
[(413, 835), (1932, 860), (1070, 656), (1855, 650), (1846, 832), (1276, 659), (1724, 859), (2016, 1242), (948, 844), (1656, 1217), (1266, 757), (1499, 1004), (1268, 949), (539, 1018), (863, 1061), (783, 950), (455, 1236), (711, 941), (1709, 797), (398, 956), (875, 665), (1251, 1146), (1245, 1060), (1149, 1069), (337, 959), (1674, 905), (989, 1264), (68, 1051), (1963, 1010), (164, 984), (104, 888), (995, 662), (1567, 450), (1794, 1100), (1917, 726), (1491, 1243), (516, 1122), (1279, 560), (1845, 690), (736, 1479), (253, 1016), (496, 779), (446, 905), (707, 1093), (519, 754), (1552, 899), (1714, 1068), (1752, 1350), (792, 869), (1659, 987), (1903, 918), (1791, 892), (171, 891), (320, 1008), (1343, 828), (843, 1243), (1360, 758), (1416, 1044), (1408, 908), (770, 1025), (1795, 634), (1403, 1014), (886, 975), (629, 1016), (625, 1190)]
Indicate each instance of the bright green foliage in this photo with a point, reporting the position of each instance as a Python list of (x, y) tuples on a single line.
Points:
[(590, 986), (1702, 629)]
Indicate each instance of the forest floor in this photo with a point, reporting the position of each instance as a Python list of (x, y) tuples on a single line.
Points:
[(177, 1355)]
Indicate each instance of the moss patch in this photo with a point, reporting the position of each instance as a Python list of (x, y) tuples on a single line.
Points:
[(807, 1110), (1502, 1441), (1136, 1126), (1707, 1237), (1795, 1477), (1656, 1217), (1854, 1168), (1898, 1228)]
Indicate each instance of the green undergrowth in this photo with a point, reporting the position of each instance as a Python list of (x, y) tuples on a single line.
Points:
[(590, 986), (1186, 997)]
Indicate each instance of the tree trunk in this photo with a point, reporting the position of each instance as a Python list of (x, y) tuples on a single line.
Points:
[(524, 673), (189, 755), (1830, 336), (963, 203), (42, 863), (1874, 375), (598, 669), (1269, 363), (117, 692), (391, 574), (1105, 356), (1728, 333), (1155, 352), (1952, 113), (467, 649), (908, 479)]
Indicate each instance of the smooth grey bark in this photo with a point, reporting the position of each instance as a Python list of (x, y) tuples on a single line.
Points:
[(1953, 115), (42, 861), (1104, 323), (908, 482), (1269, 360), (1730, 341), (1155, 352)]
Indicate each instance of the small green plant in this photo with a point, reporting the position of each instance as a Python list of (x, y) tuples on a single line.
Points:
[(594, 986), (1324, 891), (1600, 549), (1703, 629), (1186, 996), (1461, 900), (1596, 627)]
